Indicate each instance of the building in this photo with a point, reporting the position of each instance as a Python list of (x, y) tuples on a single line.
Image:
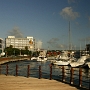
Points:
[(20, 43), (1, 45)]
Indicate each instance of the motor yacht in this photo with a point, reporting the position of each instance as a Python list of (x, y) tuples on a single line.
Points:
[(63, 59), (79, 61), (41, 58)]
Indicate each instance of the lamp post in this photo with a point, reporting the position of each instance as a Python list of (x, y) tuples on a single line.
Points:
[(6, 53), (20, 52), (14, 52)]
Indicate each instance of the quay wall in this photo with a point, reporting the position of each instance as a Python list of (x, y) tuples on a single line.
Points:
[(12, 59)]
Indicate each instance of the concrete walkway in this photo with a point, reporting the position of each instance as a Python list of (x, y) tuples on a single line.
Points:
[(24, 83)]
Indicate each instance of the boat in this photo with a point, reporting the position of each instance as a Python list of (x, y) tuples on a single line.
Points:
[(63, 59), (33, 58), (79, 62), (41, 58), (61, 62), (87, 63)]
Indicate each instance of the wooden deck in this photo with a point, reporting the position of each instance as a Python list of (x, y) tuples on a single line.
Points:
[(23, 83)]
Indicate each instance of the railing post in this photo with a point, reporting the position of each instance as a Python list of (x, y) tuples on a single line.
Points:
[(80, 77), (63, 73), (0, 69), (28, 71), (39, 72), (71, 72), (16, 70), (89, 84), (50, 71), (6, 69)]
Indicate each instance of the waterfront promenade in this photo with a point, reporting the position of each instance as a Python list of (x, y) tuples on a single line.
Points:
[(23, 83), (8, 82)]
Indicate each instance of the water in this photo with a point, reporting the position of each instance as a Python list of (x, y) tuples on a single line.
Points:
[(45, 69)]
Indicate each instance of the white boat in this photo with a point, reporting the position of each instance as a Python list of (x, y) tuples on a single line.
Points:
[(41, 58), (79, 62), (62, 62), (63, 55), (87, 63), (33, 58), (63, 59)]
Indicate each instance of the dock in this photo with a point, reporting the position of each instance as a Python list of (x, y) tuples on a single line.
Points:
[(23, 83)]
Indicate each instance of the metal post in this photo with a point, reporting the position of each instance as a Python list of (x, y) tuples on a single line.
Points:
[(63, 74), (6, 69), (50, 71), (28, 71), (80, 77), (71, 72), (16, 70), (39, 72)]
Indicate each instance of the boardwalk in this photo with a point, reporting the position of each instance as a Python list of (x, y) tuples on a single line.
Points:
[(23, 83)]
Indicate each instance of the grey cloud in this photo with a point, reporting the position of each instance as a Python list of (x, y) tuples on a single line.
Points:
[(15, 32), (54, 42)]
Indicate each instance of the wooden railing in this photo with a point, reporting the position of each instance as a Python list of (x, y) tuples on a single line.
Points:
[(62, 77)]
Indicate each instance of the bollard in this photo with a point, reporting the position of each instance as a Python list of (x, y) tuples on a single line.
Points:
[(80, 77), (50, 71), (63, 74), (39, 72), (16, 70), (28, 71), (71, 72)]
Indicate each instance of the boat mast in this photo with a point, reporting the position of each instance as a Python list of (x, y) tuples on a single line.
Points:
[(69, 37)]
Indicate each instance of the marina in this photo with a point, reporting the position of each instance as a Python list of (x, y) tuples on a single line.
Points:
[(45, 45)]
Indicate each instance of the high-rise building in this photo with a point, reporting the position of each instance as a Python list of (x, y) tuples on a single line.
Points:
[(20, 43)]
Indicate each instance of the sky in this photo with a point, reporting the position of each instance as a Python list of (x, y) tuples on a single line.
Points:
[(55, 24)]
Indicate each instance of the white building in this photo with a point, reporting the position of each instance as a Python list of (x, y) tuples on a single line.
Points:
[(20, 43), (1, 45)]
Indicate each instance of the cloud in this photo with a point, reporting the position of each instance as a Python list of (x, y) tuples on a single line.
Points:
[(54, 42), (77, 23), (39, 44), (15, 32), (89, 18), (88, 24), (53, 13), (68, 13), (71, 1)]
